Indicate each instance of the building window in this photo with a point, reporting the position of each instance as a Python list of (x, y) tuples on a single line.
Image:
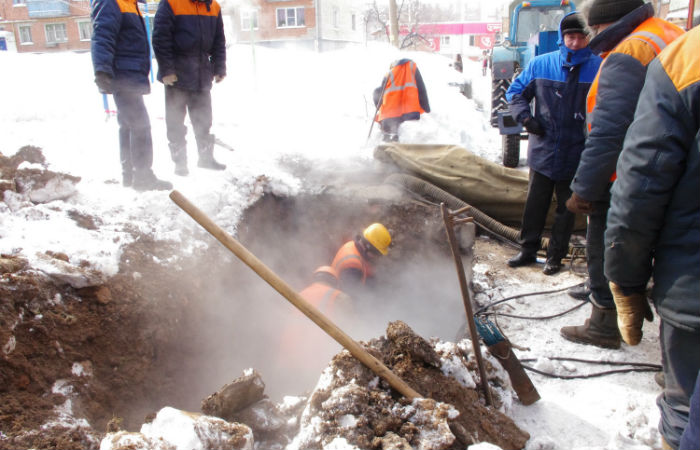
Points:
[(353, 19), (85, 30), (25, 34), (249, 20), (19, 2), (445, 40), (335, 17), (290, 17), (55, 33), (472, 40)]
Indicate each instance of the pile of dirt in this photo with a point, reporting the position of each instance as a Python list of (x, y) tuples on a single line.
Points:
[(353, 404)]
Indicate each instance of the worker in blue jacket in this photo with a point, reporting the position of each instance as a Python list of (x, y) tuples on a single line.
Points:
[(121, 61), (558, 83), (189, 44)]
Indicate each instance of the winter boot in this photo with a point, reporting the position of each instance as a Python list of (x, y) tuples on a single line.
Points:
[(580, 292), (145, 180), (522, 259), (179, 154), (599, 330), (206, 155)]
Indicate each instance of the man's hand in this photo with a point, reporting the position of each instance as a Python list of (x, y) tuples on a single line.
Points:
[(632, 309), (533, 126), (219, 78), (576, 204), (169, 80), (103, 81)]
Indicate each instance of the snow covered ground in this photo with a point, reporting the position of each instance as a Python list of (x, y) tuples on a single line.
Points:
[(280, 109)]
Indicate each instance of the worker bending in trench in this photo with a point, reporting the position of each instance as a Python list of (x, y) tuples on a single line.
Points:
[(354, 261)]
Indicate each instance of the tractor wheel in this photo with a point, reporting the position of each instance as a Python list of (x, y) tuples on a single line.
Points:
[(511, 150), (498, 99)]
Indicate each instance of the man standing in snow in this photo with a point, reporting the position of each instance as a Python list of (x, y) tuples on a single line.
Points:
[(629, 37), (189, 44), (558, 82), (653, 227), (403, 97), (121, 60)]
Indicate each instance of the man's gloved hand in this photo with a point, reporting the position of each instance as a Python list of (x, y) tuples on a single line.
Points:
[(576, 204), (632, 309), (103, 81), (169, 80), (533, 126), (219, 78)]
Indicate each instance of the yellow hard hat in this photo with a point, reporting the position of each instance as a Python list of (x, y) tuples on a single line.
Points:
[(377, 235)]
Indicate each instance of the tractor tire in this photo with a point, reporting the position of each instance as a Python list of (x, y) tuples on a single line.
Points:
[(498, 99), (511, 150)]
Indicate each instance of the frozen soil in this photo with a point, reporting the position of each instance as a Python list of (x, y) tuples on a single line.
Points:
[(78, 362)]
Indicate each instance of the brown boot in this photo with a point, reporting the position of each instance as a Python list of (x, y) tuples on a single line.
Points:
[(599, 330)]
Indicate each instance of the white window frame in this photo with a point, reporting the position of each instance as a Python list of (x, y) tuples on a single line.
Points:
[(19, 3), (21, 37), (445, 40), (249, 16), (294, 10), (88, 25), (56, 39)]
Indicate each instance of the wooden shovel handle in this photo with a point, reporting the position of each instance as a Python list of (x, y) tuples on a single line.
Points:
[(293, 297)]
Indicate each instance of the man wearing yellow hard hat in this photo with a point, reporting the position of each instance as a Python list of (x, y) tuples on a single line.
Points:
[(353, 261)]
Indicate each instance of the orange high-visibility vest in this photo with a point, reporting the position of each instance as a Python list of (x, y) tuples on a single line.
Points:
[(321, 296), (349, 257), (400, 93), (656, 34)]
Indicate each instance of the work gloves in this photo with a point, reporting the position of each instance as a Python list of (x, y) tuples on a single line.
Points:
[(577, 205), (169, 80), (533, 126), (632, 309), (103, 81)]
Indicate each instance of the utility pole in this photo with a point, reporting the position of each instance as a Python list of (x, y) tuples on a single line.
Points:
[(394, 23)]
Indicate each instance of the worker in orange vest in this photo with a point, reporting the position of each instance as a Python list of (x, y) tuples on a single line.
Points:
[(302, 341), (401, 96), (353, 261)]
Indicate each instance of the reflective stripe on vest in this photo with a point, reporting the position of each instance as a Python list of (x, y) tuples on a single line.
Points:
[(321, 296), (349, 257), (400, 93)]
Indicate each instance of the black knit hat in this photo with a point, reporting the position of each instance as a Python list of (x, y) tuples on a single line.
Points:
[(608, 11), (572, 24)]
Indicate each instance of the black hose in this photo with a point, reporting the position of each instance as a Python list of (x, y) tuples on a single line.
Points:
[(636, 367)]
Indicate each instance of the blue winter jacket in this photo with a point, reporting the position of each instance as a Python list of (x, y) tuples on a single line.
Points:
[(558, 82), (188, 41), (120, 44)]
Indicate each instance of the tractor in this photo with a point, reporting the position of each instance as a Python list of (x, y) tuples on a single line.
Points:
[(533, 30)]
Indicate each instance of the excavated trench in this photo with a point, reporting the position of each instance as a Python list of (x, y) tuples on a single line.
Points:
[(156, 335)]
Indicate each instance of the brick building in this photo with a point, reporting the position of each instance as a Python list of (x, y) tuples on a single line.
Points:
[(46, 25)]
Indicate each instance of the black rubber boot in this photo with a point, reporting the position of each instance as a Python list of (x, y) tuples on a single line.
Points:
[(206, 155), (580, 292), (599, 330), (552, 266), (146, 180), (179, 155), (522, 259)]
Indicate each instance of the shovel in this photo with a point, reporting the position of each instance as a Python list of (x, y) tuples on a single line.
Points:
[(293, 297)]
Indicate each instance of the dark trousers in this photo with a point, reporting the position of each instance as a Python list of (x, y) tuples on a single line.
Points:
[(179, 102), (681, 361), (595, 250), (135, 144), (539, 197)]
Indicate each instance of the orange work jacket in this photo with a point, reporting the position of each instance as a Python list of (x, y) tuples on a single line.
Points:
[(647, 41), (400, 93), (349, 257)]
